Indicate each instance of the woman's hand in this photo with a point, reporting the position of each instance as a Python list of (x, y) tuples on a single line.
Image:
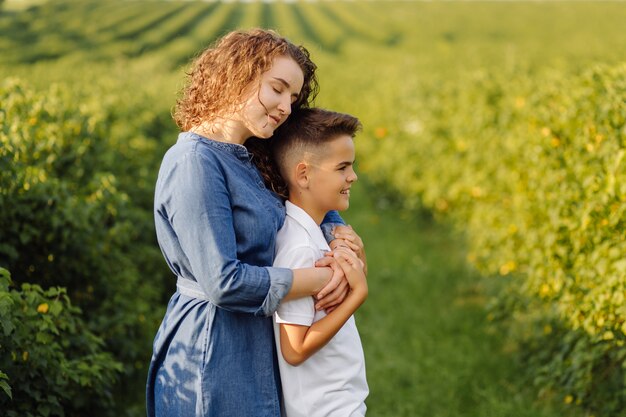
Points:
[(347, 237), (337, 288)]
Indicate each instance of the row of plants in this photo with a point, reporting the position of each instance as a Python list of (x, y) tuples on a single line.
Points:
[(530, 167), (105, 30), (87, 284)]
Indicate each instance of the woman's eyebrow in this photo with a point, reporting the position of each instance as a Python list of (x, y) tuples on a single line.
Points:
[(285, 83)]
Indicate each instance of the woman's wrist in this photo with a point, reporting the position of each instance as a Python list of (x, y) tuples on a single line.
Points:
[(308, 281)]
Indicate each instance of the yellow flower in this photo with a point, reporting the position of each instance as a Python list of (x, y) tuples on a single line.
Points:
[(568, 399), (508, 267), (43, 308), (25, 356), (380, 132), (441, 205)]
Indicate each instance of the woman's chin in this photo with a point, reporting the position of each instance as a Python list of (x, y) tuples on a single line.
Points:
[(265, 134)]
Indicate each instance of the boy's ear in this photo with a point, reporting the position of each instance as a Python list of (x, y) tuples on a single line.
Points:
[(303, 171)]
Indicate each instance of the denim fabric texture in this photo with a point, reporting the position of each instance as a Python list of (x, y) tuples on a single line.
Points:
[(216, 224)]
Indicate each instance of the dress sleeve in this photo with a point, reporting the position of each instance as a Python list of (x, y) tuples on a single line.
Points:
[(198, 207), (331, 220)]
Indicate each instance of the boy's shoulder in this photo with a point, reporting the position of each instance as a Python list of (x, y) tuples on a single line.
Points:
[(300, 240), (300, 229), (294, 253), (293, 239)]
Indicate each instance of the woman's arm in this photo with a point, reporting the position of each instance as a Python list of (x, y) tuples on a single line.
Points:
[(309, 281), (330, 221), (298, 343), (194, 201)]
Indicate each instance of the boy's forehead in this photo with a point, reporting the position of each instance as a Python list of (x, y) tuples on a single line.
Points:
[(334, 148)]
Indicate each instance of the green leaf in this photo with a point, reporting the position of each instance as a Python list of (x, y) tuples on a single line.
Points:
[(5, 385)]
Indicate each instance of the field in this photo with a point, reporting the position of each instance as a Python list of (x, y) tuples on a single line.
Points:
[(490, 197)]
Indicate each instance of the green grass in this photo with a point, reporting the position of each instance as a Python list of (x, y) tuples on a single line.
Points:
[(430, 350)]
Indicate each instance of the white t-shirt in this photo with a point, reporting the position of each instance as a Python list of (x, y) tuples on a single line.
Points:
[(331, 383)]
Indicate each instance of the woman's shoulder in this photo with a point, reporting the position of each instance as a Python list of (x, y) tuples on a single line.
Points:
[(189, 146), (192, 143), (189, 155)]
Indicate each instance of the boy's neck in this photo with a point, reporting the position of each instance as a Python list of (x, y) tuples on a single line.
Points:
[(312, 209)]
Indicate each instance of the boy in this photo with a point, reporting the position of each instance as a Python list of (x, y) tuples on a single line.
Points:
[(321, 360)]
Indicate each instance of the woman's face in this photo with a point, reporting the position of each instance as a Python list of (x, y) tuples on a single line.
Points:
[(269, 105)]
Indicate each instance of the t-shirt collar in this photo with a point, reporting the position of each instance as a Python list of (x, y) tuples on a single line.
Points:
[(306, 221)]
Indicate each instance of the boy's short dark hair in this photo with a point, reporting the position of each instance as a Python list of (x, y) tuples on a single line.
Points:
[(310, 128)]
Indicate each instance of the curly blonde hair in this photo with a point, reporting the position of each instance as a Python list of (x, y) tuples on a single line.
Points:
[(220, 74), (217, 84)]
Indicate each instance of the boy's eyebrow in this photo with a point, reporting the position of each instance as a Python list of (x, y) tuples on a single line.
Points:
[(346, 163)]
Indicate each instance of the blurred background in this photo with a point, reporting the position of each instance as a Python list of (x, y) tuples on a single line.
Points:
[(491, 195)]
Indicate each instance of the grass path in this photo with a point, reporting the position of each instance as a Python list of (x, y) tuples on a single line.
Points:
[(429, 351)]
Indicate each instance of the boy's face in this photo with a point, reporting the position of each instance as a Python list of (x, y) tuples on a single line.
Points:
[(332, 174)]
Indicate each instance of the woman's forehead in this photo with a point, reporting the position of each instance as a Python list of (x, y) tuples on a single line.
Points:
[(286, 71)]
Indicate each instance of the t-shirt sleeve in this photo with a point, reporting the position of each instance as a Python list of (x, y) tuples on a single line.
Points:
[(300, 311)]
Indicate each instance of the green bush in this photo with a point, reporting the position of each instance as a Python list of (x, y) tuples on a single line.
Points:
[(76, 174), (530, 167), (50, 363)]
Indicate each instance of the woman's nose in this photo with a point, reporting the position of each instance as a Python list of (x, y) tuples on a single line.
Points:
[(285, 106)]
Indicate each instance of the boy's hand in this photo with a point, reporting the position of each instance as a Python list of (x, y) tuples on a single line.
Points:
[(352, 266), (336, 290), (345, 236)]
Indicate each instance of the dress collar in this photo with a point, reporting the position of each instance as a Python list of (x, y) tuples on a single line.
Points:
[(235, 149)]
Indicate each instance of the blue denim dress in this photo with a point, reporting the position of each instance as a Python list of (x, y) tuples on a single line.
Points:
[(216, 224)]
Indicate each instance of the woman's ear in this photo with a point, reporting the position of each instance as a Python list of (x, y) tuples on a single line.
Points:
[(303, 172)]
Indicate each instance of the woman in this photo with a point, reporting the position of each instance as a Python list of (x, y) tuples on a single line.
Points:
[(216, 224)]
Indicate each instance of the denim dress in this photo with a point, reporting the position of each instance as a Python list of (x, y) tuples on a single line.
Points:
[(216, 224)]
